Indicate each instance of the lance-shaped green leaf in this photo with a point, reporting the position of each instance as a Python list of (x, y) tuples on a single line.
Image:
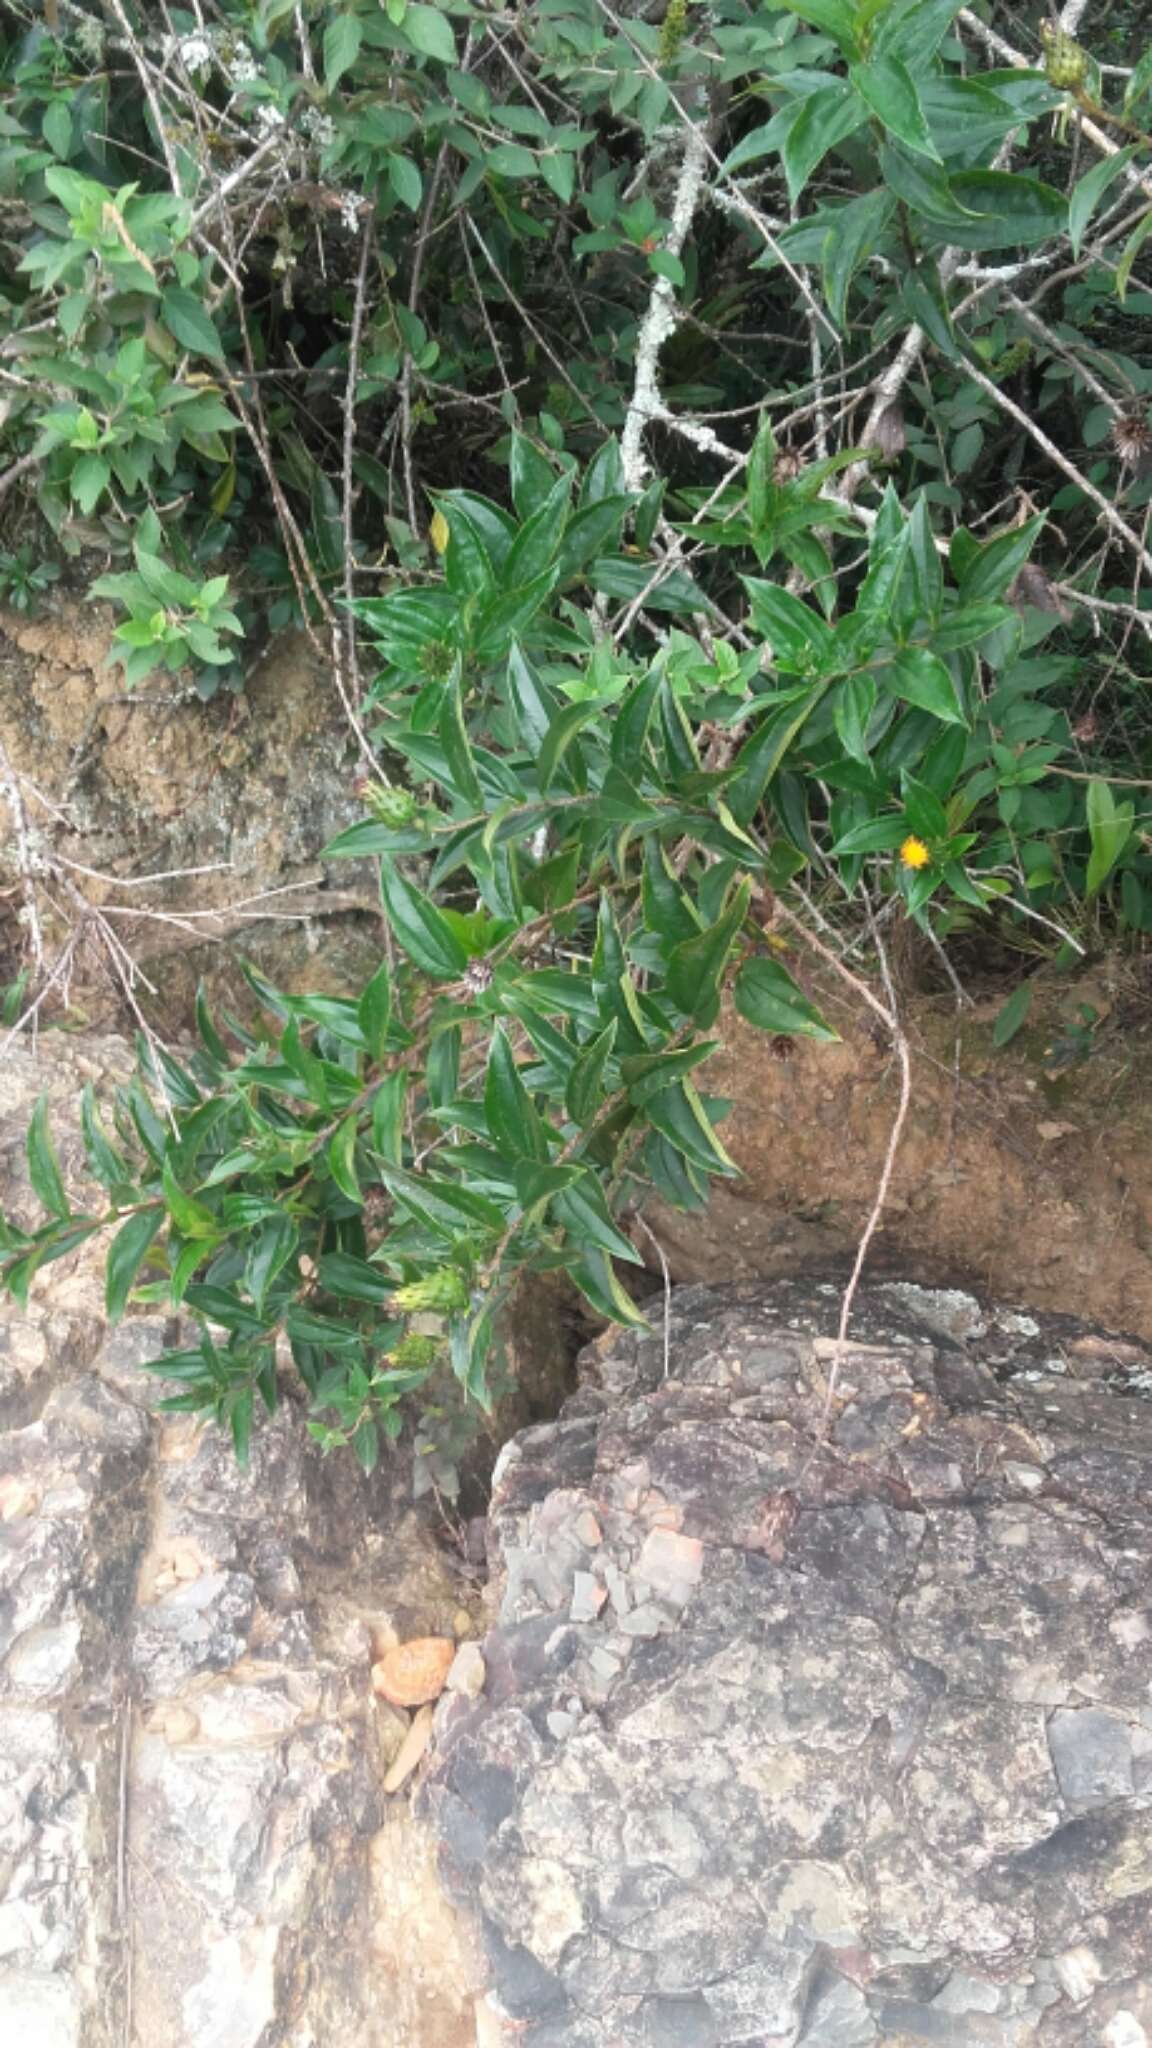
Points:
[(272, 1247), (680, 1116), (43, 1169), (695, 975), (585, 1085), (424, 934), (584, 1213), (921, 678), (108, 1165), (887, 85), (768, 997), (342, 1159), (1110, 828), (514, 1122), (126, 1255), (594, 1276), (374, 1011), (192, 1218), (669, 913)]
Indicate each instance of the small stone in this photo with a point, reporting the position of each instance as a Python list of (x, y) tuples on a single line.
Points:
[(17, 1498), (672, 1564), (605, 1663), (462, 1624), (561, 1724), (1091, 1755), (588, 1529), (967, 1994), (647, 1620), (410, 1751), (617, 1586), (40, 1660), (588, 1597), (1029, 1478), (1078, 1971), (1124, 2031), (467, 1672), (414, 1673)]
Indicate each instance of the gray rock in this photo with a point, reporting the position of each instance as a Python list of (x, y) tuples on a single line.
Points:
[(1092, 1756), (195, 1847), (852, 1785)]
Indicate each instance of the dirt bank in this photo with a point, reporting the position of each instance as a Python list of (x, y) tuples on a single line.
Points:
[(1025, 1170)]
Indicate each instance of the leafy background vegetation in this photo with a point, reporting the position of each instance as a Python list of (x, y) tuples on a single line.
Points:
[(709, 444)]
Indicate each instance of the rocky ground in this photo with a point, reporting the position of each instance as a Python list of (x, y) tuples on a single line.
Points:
[(199, 1846), (820, 1742)]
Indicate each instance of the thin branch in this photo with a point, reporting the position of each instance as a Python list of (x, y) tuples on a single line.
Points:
[(1106, 509), (659, 321)]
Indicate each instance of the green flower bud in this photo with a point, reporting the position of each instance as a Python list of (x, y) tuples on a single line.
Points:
[(442, 1293), (395, 807), (1065, 62), (415, 1353), (672, 30)]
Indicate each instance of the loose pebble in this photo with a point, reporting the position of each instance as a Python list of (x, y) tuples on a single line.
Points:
[(410, 1751), (467, 1672), (415, 1672)]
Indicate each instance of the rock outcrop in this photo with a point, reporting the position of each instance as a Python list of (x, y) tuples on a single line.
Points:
[(820, 1720), (197, 1849)]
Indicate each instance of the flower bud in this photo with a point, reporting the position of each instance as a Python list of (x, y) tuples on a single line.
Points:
[(443, 1293), (1065, 61), (395, 807)]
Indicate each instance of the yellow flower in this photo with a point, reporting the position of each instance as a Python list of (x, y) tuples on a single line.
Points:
[(915, 854)]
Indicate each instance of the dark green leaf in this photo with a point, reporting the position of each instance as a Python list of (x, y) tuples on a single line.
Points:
[(853, 702), (695, 975), (271, 1250), (585, 1085), (1110, 828), (189, 322), (680, 1116), (799, 637), (594, 1276), (1013, 211), (824, 119), (126, 1254), (887, 85), (420, 929), (374, 1011), (513, 1119), (985, 572), (585, 1215), (430, 32), (559, 737), (767, 997), (388, 1110), (1012, 1016), (1091, 189), (355, 1279), (43, 1170), (921, 678), (342, 1158)]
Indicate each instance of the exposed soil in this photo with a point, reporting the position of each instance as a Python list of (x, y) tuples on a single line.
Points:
[(152, 781), (1026, 1170)]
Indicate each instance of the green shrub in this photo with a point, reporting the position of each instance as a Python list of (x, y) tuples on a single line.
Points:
[(739, 420)]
